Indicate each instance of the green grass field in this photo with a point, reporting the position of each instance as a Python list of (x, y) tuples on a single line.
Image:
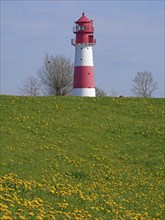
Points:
[(82, 158)]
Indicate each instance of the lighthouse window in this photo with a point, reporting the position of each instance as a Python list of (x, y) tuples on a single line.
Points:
[(81, 59), (82, 28)]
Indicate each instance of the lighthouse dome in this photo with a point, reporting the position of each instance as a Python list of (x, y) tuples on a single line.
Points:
[(83, 19)]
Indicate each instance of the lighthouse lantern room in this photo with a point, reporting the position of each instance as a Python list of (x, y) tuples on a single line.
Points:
[(83, 82)]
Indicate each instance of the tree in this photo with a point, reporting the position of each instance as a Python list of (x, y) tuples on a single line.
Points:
[(56, 75), (144, 84), (30, 87), (100, 92)]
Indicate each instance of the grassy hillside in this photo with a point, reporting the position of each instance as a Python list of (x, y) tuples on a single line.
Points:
[(81, 158)]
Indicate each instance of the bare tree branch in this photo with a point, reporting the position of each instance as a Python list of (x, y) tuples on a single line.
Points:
[(144, 84), (56, 75), (30, 87), (100, 92)]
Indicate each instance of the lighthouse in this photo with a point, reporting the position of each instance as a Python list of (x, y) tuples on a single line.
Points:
[(83, 82)]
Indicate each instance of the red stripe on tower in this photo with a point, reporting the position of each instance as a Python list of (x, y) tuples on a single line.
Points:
[(83, 82)]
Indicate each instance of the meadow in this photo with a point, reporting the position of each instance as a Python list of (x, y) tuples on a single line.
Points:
[(82, 158)]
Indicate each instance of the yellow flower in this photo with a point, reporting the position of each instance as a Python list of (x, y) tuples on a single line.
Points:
[(6, 217), (146, 213), (31, 213), (22, 218), (3, 206)]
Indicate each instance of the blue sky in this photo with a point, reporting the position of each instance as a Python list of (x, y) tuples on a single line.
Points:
[(129, 34)]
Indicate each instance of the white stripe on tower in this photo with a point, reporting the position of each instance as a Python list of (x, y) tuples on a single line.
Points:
[(83, 55)]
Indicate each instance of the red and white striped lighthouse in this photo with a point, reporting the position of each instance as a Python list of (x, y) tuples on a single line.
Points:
[(83, 82)]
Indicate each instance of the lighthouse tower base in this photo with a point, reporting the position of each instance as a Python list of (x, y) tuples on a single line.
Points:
[(89, 92)]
